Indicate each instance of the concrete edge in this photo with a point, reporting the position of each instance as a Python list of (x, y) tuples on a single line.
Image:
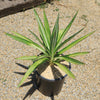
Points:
[(21, 7)]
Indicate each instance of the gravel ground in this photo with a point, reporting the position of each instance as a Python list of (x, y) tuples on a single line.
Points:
[(86, 86)]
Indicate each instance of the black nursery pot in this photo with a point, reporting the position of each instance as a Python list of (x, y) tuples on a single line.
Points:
[(50, 87)]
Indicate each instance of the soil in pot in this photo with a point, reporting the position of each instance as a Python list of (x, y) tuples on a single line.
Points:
[(51, 72)]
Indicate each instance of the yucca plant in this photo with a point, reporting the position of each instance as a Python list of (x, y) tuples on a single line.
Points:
[(50, 44)]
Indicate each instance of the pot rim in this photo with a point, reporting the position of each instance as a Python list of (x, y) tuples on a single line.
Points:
[(54, 79)]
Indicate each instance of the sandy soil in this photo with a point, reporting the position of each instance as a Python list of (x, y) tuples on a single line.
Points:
[(86, 86), (51, 72)]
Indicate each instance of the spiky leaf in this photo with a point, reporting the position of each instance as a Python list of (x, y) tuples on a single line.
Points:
[(37, 38), (26, 57), (71, 37), (27, 42), (42, 30), (67, 28), (65, 69), (60, 33), (31, 69), (46, 25), (21, 36), (77, 54), (54, 36), (75, 42), (68, 59)]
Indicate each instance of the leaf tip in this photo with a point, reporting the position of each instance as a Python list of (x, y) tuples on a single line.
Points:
[(34, 10), (16, 58), (74, 77), (76, 12), (6, 33), (20, 83), (18, 86)]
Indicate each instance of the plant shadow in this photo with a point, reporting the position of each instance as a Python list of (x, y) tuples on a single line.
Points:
[(32, 82)]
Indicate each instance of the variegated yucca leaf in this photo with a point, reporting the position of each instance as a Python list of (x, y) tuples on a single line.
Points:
[(66, 29), (75, 42), (65, 69), (54, 37), (31, 69), (65, 41), (27, 42), (77, 54), (42, 30)]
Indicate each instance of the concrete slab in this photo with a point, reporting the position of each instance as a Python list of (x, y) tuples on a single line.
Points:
[(12, 6)]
